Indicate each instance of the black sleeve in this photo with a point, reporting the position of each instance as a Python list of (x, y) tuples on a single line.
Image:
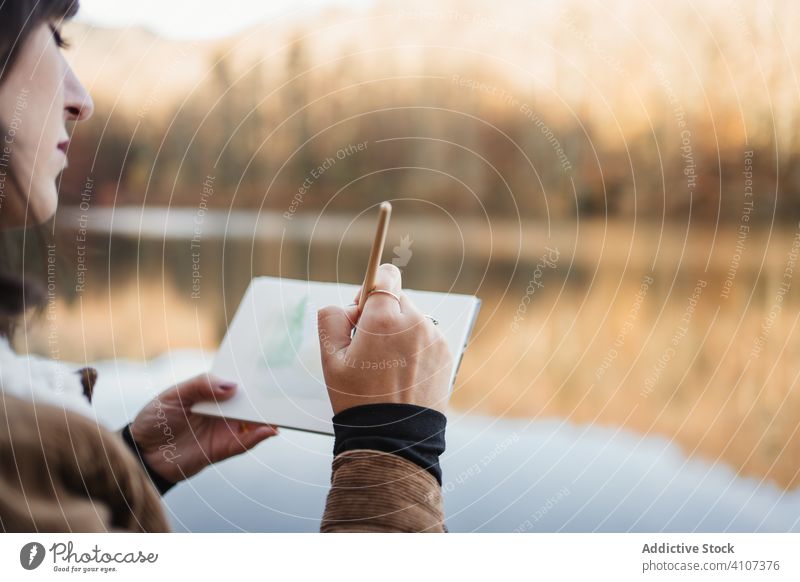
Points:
[(413, 432), (161, 484)]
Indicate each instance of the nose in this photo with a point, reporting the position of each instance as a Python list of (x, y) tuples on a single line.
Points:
[(78, 104)]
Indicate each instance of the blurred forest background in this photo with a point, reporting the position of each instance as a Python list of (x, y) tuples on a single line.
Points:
[(465, 90), (654, 146)]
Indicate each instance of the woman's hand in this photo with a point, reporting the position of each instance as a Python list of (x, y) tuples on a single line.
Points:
[(396, 356), (178, 443)]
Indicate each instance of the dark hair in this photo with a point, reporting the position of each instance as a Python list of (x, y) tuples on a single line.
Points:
[(18, 19)]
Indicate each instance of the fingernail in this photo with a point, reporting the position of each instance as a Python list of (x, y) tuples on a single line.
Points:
[(227, 386)]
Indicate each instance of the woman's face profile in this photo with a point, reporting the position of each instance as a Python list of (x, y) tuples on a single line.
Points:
[(38, 96)]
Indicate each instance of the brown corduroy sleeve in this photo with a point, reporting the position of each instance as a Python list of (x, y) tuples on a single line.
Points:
[(61, 472), (373, 491)]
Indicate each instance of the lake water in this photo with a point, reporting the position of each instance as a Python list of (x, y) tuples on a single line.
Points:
[(499, 475)]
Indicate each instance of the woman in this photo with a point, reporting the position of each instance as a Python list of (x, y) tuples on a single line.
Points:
[(62, 471)]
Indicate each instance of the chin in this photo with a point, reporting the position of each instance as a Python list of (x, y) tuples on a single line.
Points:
[(44, 203)]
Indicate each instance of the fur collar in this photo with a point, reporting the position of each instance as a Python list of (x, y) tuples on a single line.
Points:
[(43, 381)]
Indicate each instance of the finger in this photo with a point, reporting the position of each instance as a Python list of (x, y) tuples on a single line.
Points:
[(403, 298), (388, 279), (246, 441), (248, 426), (335, 326), (204, 387), (404, 301)]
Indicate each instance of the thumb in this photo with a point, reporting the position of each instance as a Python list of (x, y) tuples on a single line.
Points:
[(335, 326), (204, 387)]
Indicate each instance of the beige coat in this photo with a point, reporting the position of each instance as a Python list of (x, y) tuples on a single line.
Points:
[(62, 472)]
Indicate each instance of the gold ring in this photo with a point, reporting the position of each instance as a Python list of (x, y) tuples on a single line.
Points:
[(385, 292)]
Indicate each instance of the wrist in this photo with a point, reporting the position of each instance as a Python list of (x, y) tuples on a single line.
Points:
[(161, 483), (413, 432)]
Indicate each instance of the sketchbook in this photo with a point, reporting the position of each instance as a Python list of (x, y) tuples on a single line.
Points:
[(271, 349)]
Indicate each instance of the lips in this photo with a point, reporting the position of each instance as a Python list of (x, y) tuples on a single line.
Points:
[(63, 146)]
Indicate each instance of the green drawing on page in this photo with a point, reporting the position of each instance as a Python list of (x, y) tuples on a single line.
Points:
[(283, 334)]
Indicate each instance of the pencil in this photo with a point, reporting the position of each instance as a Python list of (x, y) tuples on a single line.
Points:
[(376, 253)]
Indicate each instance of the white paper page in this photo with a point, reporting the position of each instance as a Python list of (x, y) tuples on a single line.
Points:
[(272, 349)]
